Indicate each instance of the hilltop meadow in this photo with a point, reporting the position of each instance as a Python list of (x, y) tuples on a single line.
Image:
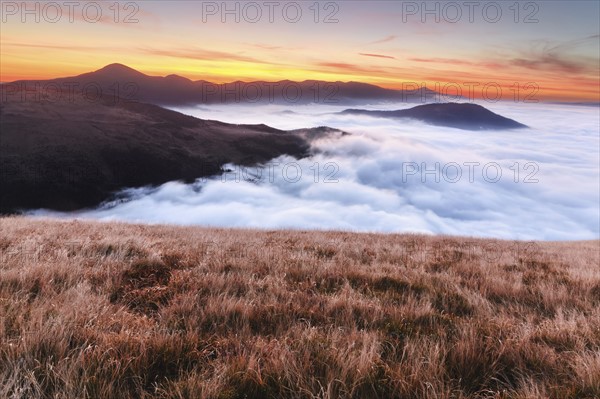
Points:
[(113, 310)]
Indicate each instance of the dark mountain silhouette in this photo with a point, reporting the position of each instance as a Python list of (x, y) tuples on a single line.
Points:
[(67, 155), (461, 116), (121, 81)]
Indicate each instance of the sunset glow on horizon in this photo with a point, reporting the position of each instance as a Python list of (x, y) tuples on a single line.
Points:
[(388, 45)]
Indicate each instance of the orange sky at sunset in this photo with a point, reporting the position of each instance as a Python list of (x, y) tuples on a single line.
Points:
[(384, 44)]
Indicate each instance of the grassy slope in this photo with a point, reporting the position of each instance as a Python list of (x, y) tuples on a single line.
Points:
[(95, 310)]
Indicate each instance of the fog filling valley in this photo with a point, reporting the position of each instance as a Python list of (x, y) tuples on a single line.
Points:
[(396, 176)]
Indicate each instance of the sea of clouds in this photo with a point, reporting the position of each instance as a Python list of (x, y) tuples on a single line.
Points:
[(390, 175)]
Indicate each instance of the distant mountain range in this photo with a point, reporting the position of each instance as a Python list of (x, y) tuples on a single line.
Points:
[(127, 83), (460, 116)]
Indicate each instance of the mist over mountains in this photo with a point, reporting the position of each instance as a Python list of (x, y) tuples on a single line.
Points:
[(464, 169), (71, 143), (68, 155), (392, 175)]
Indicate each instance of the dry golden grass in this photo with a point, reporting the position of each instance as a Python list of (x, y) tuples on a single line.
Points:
[(108, 310)]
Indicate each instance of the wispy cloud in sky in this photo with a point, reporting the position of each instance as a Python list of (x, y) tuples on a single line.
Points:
[(202, 55), (559, 57), (350, 68), (385, 39), (377, 55)]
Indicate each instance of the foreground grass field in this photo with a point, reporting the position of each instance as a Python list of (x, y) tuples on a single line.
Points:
[(107, 310)]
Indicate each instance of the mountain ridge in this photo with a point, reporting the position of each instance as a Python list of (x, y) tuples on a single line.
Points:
[(176, 90), (70, 155), (465, 116)]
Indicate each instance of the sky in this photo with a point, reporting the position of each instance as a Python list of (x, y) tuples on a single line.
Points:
[(544, 50)]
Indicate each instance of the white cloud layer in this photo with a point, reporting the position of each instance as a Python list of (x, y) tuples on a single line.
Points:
[(373, 180)]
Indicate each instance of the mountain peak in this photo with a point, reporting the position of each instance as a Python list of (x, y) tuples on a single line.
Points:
[(119, 69)]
